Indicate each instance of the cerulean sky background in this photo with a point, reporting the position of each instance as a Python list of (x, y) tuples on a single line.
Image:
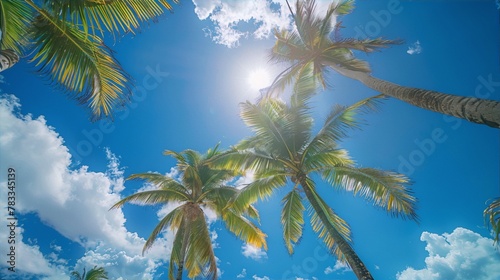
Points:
[(191, 71)]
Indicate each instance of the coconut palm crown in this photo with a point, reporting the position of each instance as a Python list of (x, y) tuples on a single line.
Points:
[(317, 42), (285, 151), (65, 41), (200, 188)]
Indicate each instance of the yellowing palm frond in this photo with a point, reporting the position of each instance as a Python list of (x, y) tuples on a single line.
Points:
[(244, 229)]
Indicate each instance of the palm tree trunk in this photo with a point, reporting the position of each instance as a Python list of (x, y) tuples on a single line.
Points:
[(481, 111), (358, 267), (7, 59)]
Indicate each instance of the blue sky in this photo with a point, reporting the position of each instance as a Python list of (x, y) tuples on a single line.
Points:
[(191, 70)]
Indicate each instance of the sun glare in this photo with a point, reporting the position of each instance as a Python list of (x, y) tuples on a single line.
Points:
[(259, 79)]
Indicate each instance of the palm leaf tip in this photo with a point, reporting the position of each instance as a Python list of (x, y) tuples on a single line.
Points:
[(492, 217)]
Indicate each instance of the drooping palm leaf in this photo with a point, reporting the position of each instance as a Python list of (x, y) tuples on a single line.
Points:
[(244, 229), (80, 63), (385, 189), (292, 219), (173, 220)]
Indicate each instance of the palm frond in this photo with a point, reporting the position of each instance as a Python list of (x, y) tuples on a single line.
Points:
[(96, 274), (492, 215), (244, 229), (383, 188), (173, 220), (153, 197), (200, 258), (80, 63), (266, 120), (365, 45), (179, 245), (339, 121), (115, 16), (328, 158), (259, 189), (161, 181), (344, 7), (292, 219), (15, 19)]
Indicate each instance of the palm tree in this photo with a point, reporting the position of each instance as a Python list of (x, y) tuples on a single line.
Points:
[(65, 41), (96, 273), (311, 45), (284, 149), (200, 188), (492, 215)]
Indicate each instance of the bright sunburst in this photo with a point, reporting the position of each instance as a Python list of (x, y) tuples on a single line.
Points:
[(259, 79)]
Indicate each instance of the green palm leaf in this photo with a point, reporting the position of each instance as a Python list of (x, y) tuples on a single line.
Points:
[(173, 220), (15, 19), (385, 189), (114, 16), (153, 197), (339, 121), (79, 63), (259, 189), (292, 219)]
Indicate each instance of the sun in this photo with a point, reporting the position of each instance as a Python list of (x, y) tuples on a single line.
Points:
[(259, 79)]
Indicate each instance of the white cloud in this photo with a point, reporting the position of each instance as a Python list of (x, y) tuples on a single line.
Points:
[(243, 274), (118, 263), (461, 255), (252, 252), (255, 277), (415, 48), (49, 267), (233, 20), (339, 266), (73, 202)]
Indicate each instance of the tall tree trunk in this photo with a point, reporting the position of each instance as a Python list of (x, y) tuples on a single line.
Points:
[(7, 59), (358, 267), (481, 111)]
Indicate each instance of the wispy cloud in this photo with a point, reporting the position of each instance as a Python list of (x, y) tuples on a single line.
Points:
[(243, 274), (415, 48), (255, 277), (338, 267), (462, 254)]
